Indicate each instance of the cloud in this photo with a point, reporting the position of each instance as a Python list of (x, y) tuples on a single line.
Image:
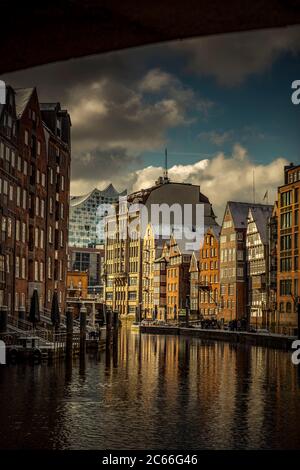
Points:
[(222, 178), (118, 109), (220, 137), (215, 137), (233, 58), (155, 80)]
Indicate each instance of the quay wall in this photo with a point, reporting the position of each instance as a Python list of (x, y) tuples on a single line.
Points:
[(242, 337)]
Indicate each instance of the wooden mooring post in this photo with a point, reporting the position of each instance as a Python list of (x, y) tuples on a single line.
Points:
[(83, 313), (69, 336)]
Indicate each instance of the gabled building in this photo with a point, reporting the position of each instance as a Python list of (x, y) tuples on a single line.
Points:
[(31, 204), (209, 284), (152, 249), (178, 277), (9, 182), (57, 127), (233, 272), (257, 256), (160, 283), (194, 285), (33, 249), (124, 251)]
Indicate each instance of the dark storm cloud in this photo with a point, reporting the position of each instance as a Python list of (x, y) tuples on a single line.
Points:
[(232, 58), (123, 103), (112, 109), (101, 164)]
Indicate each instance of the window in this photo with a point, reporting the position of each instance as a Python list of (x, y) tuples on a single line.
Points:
[(36, 271), (50, 235), (286, 198), (5, 187), (41, 271), (23, 268), (1, 150), (3, 224), (17, 266), (42, 239), (23, 232), (13, 159), (24, 199), (26, 137), (42, 208), (17, 230), (9, 227), (285, 287), (49, 268), (36, 238), (18, 196), (38, 147), (37, 206), (240, 272)]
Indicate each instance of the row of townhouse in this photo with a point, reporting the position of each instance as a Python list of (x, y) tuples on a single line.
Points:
[(34, 200), (246, 269), (134, 240)]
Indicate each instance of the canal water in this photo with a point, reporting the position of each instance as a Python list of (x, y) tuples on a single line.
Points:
[(154, 392)]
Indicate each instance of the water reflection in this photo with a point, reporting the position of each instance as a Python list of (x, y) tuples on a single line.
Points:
[(154, 392)]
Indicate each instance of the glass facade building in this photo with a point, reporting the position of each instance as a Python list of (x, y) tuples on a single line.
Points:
[(86, 227)]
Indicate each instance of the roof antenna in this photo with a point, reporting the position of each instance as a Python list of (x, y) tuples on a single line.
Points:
[(166, 178)]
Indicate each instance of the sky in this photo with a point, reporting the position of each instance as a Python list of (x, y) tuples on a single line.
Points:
[(221, 105)]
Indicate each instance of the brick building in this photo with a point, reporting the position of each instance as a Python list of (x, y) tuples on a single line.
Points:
[(288, 249), (57, 124), (178, 285), (160, 282), (194, 285), (25, 161), (152, 249), (209, 285), (124, 254), (8, 193)]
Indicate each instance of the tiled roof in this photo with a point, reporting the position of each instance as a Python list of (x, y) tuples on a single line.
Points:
[(239, 212)]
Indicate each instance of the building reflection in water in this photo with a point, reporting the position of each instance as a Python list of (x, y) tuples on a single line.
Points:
[(149, 391)]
